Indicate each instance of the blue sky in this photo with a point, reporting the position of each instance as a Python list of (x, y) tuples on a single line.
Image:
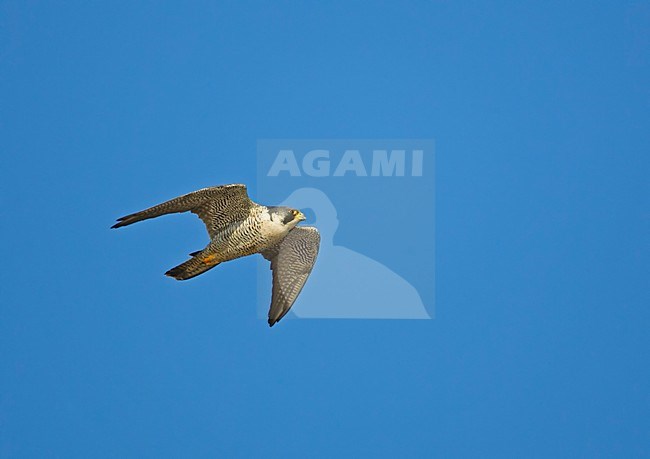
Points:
[(540, 114)]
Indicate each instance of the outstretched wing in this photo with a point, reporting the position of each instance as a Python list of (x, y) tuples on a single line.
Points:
[(291, 261), (217, 206)]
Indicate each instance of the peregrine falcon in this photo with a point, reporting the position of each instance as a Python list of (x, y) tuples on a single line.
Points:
[(238, 227)]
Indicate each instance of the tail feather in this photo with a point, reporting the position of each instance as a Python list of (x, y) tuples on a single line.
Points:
[(192, 267)]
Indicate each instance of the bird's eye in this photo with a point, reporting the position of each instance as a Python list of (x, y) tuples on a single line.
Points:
[(294, 212)]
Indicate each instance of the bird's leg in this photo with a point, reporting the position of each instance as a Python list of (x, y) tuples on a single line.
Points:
[(209, 259)]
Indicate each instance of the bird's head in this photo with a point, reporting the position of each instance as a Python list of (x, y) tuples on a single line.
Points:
[(286, 215)]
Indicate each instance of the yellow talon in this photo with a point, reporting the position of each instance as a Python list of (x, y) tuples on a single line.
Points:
[(209, 259)]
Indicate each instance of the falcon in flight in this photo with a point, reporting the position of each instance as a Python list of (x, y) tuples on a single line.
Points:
[(238, 227)]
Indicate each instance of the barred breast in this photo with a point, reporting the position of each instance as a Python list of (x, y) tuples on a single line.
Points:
[(253, 235)]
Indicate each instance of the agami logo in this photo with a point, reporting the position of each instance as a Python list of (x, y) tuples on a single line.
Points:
[(318, 163), (373, 204)]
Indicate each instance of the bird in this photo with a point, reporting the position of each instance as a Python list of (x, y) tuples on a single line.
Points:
[(239, 227)]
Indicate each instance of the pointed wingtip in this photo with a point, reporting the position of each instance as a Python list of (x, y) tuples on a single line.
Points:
[(120, 222)]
